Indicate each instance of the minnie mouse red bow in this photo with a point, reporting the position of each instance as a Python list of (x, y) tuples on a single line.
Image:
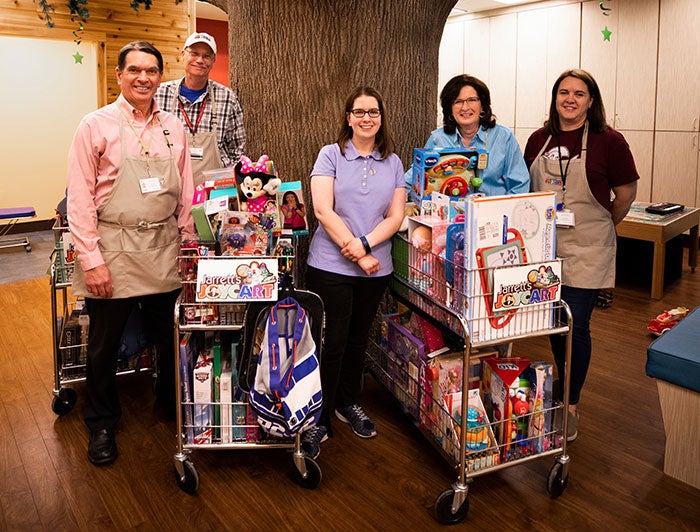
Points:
[(247, 165)]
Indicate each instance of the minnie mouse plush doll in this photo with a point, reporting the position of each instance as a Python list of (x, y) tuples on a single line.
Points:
[(257, 183)]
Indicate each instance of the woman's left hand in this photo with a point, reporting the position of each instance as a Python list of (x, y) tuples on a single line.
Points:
[(369, 264), (353, 250)]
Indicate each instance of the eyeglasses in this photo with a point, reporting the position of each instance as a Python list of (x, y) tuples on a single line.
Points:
[(360, 113), (469, 101), (136, 71), (196, 55)]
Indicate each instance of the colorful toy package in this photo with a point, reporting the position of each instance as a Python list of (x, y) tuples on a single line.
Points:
[(450, 171)]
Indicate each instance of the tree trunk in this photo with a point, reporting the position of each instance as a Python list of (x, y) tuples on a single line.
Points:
[(292, 64)]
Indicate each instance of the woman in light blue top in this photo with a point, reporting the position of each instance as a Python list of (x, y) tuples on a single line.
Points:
[(358, 199), (469, 122)]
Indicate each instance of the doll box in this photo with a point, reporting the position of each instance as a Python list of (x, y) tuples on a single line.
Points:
[(445, 170), (406, 354)]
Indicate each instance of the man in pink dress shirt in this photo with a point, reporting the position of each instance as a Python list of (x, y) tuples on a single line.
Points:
[(129, 196)]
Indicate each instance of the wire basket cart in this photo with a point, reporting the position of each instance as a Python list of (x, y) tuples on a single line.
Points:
[(454, 423), (225, 421), (69, 328)]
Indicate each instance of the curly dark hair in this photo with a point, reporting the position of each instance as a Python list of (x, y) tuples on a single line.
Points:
[(449, 94)]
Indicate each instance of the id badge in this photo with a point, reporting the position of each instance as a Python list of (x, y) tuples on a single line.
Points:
[(149, 184), (196, 152), (565, 218)]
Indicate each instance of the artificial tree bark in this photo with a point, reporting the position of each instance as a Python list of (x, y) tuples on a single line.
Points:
[(293, 63)]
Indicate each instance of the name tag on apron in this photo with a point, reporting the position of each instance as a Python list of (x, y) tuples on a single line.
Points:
[(565, 218), (149, 184), (196, 152)]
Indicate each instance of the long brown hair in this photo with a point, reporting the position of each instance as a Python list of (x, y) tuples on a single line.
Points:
[(383, 141), (595, 114)]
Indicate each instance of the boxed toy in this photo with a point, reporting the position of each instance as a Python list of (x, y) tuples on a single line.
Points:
[(406, 353), (502, 233), (427, 235), (450, 171), (481, 444), (226, 399), (506, 395), (446, 207), (540, 425), (290, 199), (203, 387)]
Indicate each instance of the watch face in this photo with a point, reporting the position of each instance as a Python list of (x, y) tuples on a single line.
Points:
[(526, 219)]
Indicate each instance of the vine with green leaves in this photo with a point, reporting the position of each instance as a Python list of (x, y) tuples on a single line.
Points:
[(79, 9)]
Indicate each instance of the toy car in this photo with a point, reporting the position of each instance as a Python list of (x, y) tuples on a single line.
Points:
[(666, 321)]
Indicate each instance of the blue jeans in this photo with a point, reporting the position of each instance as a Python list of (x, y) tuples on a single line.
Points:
[(581, 301), (350, 305)]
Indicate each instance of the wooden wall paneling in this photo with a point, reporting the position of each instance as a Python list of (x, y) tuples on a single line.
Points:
[(635, 95), (642, 146), (502, 66), (532, 92), (678, 97), (675, 167), (598, 56)]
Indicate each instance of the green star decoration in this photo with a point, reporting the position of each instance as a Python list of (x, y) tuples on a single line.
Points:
[(606, 34), (78, 58)]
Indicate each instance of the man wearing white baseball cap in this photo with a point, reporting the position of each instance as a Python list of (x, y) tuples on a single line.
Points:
[(209, 110)]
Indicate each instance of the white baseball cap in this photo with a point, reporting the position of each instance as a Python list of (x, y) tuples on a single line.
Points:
[(201, 37)]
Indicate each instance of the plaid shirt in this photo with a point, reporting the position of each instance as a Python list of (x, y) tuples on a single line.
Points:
[(229, 116)]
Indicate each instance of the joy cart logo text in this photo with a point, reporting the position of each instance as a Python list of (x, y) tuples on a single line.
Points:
[(237, 279), (526, 285)]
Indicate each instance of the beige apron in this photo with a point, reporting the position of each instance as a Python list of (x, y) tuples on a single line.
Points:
[(139, 237), (589, 247), (207, 140)]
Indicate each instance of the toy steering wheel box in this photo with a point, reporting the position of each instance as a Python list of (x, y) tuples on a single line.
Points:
[(454, 172)]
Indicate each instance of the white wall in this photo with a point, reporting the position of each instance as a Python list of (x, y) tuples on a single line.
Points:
[(45, 93)]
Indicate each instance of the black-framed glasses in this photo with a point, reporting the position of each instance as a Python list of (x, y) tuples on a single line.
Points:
[(360, 113), (469, 101)]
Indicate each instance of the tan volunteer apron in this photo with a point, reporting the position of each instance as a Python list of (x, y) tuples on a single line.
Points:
[(139, 238), (589, 246), (206, 141)]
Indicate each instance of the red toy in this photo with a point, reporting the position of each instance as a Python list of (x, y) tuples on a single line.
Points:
[(667, 320)]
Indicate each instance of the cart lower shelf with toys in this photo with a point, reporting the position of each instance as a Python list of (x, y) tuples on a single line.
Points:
[(214, 342), (69, 329), (481, 412)]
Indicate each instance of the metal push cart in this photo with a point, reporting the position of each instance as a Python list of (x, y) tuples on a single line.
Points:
[(233, 426), (69, 328), (454, 430)]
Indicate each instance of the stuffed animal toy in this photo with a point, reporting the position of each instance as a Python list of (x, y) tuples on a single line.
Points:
[(257, 183)]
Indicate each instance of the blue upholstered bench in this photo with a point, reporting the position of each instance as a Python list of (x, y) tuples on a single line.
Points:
[(674, 361), (13, 215)]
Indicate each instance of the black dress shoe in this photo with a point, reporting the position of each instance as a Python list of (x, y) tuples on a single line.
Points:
[(102, 449)]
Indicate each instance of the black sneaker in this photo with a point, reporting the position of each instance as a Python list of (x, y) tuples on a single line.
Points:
[(312, 439), (360, 422)]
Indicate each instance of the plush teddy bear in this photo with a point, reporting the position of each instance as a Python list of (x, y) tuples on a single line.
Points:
[(257, 183)]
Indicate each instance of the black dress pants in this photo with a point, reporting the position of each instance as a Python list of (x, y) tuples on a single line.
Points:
[(108, 318)]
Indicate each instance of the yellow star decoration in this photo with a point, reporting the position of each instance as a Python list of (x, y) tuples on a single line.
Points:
[(78, 58), (606, 34)]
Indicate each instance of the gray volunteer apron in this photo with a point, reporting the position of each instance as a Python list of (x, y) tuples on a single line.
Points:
[(207, 140), (139, 237), (589, 246)]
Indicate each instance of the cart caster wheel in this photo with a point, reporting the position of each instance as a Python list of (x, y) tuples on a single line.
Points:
[(313, 475), (443, 509), (64, 401), (190, 482), (555, 483), (28, 248)]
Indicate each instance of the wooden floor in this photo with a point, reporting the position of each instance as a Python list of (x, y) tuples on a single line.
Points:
[(387, 483)]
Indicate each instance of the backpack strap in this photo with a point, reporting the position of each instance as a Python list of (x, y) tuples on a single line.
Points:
[(279, 318)]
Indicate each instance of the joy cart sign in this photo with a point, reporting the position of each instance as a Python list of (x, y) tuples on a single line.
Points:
[(523, 286), (225, 280)]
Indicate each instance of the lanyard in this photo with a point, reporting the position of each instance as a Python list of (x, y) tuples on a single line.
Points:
[(146, 147), (193, 129), (564, 171)]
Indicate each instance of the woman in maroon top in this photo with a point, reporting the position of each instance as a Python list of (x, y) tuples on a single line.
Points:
[(590, 167)]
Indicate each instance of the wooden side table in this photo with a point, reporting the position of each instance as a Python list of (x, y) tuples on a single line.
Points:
[(659, 229)]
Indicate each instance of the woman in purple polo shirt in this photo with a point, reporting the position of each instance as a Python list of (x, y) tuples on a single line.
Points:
[(358, 196)]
